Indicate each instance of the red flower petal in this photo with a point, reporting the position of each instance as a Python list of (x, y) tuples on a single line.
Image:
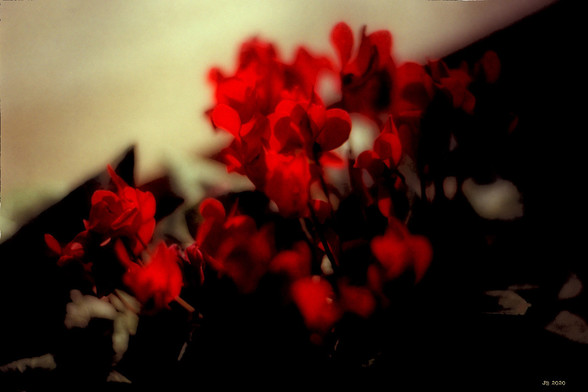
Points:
[(294, 263), (287, 138), (415, 87), (196, 258), (491, 65), (392, 253), (335, 131), (143, 236), (314, 298), (126, 218), (288, 182), (160, 278), (342, 39), (52, 244), (211, 208), (358, 300), (147, 204), (332, 159), (365, 159), (227, 118), (382, 40), (422, 255), (321, 209), (387, 146), (103, 195)]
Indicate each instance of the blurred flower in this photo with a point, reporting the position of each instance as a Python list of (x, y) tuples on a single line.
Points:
[(158, 279), (387, 149), (357, 299), (315, 299), (288, 182), (196, 260), (262, 79), (234, 245), (454, 83), (294, 263), (489, 66), (74, 250), (398, 250), (415, 90), (367, 80)]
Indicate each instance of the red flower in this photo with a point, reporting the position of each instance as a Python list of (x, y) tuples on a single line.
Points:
[(367, 81), (159, 279), (234, 245), (294, 263), (287, 182), (245, 253), (454, 83), (262, 79), (315, 299), (398, 250), (127, 212), (386, 154), (489, 66), (415, 90), (74, 250), (245, 154), (304, 124), (357, 299), (196, 259)]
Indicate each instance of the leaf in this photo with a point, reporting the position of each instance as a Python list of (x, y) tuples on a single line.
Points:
[(570, 326), (46, 361), (571, 289), (509, 302)]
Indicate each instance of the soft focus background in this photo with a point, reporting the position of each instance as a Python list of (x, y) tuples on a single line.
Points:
[(80, 81)]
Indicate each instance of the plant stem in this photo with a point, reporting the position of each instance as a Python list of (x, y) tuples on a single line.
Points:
[(323, 239)]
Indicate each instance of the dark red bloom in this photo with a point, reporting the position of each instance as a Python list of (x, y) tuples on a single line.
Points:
[(454, 83), (386, 154), (314, 297), (262, 79), (234, 245), (489, 66), (367, 80), (127, 212), (74, 250), (304, 124), (398, 250), (196, 259), (287, 182), (245, 252), (294, 263), (245, 154), (158, 279), (357, 299), (415, 90)]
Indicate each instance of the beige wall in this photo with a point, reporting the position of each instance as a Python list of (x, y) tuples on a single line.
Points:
[(81, 80)]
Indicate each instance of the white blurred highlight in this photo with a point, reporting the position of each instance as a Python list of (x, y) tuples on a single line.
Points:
[(498, 200), (121, 308)]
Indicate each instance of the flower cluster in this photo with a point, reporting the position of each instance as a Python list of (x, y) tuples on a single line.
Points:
[(286, 139), (330, 223), (120, 227)]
